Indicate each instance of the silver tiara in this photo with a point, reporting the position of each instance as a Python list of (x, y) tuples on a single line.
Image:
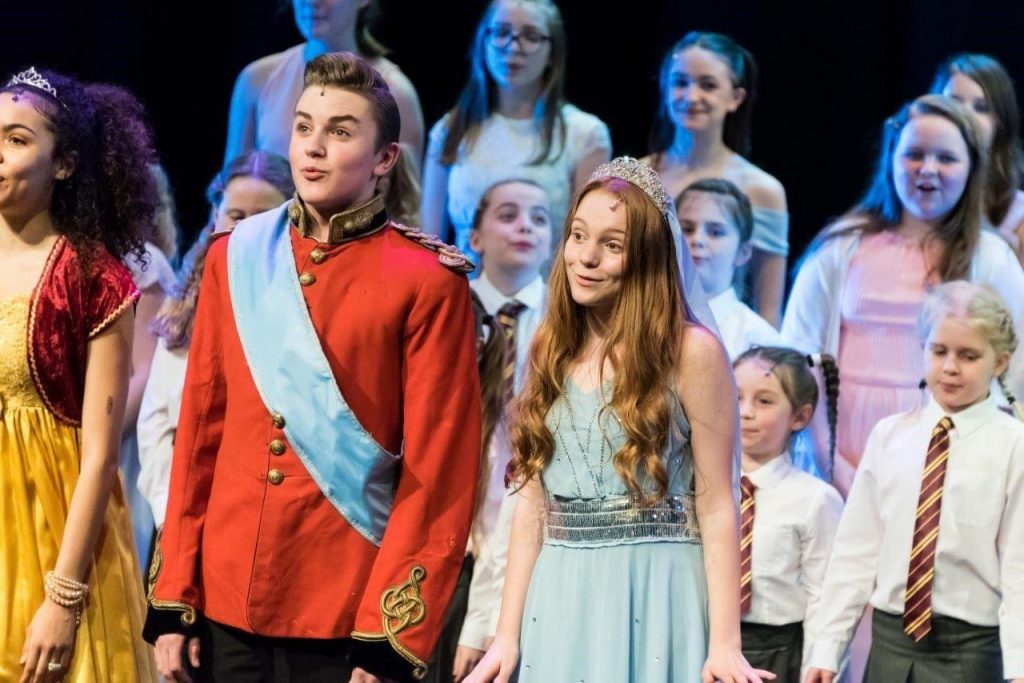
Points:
[(637, 173), (34, 79)]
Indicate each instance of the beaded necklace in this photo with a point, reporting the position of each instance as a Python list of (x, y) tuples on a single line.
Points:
[(597, 475)]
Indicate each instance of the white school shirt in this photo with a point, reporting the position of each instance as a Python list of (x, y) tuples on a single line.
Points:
[(812, 320), (979, 556), (488, 581), (795, 520), (158, 423), (485, 589), (738, 325)]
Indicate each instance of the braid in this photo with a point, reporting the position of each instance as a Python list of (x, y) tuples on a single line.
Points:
[(830, 373)]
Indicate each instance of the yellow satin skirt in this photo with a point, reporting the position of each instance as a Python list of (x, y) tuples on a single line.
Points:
[(39, 467)]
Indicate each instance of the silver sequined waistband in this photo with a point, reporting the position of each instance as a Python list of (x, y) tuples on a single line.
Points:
[(625, 519)]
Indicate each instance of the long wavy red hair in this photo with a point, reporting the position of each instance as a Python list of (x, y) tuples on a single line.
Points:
[(646, 333)]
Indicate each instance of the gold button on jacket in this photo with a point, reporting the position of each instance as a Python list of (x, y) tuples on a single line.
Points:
[(275, 477), (306, 279), (317, 256), (277, 447), (278, 420)]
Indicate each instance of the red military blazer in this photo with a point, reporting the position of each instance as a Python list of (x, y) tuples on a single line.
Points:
[(249, 539)]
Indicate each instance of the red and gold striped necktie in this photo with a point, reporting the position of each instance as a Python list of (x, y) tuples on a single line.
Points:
[(508, 320), (746, 541), (917, 606)]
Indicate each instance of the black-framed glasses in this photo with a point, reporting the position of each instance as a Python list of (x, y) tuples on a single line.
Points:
[(500, 36)]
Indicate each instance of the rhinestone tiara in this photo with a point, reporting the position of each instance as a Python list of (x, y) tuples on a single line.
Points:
[(33, 79), (637, 173)]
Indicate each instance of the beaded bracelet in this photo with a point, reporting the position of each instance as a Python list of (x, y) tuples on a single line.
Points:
[(66, 593)]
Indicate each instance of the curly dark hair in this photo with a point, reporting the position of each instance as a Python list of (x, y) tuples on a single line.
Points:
[(101, 132)]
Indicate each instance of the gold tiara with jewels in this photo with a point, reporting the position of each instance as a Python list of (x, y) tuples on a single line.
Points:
[(33, 79), (637, 173)]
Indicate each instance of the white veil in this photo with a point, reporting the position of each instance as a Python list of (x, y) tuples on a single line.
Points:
[(646, 178), (693, 291)]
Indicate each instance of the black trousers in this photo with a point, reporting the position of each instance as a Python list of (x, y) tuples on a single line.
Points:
[(439, 669), (954, 652), (228, 655), (778, 649)]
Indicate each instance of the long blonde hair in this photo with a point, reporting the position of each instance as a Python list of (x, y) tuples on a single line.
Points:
[(645, 339)]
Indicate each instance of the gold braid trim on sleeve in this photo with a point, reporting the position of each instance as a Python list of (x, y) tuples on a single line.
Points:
[(188, 613), (401, 606), (128, 301)]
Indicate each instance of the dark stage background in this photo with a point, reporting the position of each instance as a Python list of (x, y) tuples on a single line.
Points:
[(829, 76)]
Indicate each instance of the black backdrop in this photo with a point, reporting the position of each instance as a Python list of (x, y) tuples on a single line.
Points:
[(829, 75)]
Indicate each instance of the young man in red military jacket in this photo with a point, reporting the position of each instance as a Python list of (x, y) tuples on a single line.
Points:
[(323, 480)]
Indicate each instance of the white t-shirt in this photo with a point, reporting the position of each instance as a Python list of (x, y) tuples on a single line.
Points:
[(503, 149)]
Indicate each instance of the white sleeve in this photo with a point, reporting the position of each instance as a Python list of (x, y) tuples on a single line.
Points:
[(821, 524), (586, 134), (158, 421), (436, 138), (852, 567), (488, 580), (1011, 568), (807, 317)]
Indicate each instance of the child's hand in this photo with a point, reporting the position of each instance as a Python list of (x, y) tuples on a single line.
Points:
[(498, 664), (822, 676), (466, 659)]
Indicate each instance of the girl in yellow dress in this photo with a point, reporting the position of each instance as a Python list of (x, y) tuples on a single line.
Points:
[(75, 196)]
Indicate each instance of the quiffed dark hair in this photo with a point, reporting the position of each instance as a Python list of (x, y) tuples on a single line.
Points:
[(351, 72)]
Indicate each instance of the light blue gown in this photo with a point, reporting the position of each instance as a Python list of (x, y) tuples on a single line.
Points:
[(621, 596)]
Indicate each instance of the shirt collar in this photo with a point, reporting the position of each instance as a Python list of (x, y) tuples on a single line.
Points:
[(964, 421), (357, 221), (769, 475), (531, 295), (724, 304)]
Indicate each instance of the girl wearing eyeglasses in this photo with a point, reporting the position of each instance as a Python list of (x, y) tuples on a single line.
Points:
[(511, 120)]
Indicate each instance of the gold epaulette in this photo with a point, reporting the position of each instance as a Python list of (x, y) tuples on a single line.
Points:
[(447, 255)]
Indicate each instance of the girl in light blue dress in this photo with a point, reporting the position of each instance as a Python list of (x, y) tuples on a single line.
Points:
[(623, 562)]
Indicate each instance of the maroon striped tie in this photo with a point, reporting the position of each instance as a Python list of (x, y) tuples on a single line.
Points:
[(508, 320), (746, 541), (917, 606)]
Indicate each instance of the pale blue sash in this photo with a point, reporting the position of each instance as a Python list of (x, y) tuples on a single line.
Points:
[(295, 379)]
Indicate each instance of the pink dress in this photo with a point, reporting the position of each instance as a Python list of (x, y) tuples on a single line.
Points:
[(880, 359)]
